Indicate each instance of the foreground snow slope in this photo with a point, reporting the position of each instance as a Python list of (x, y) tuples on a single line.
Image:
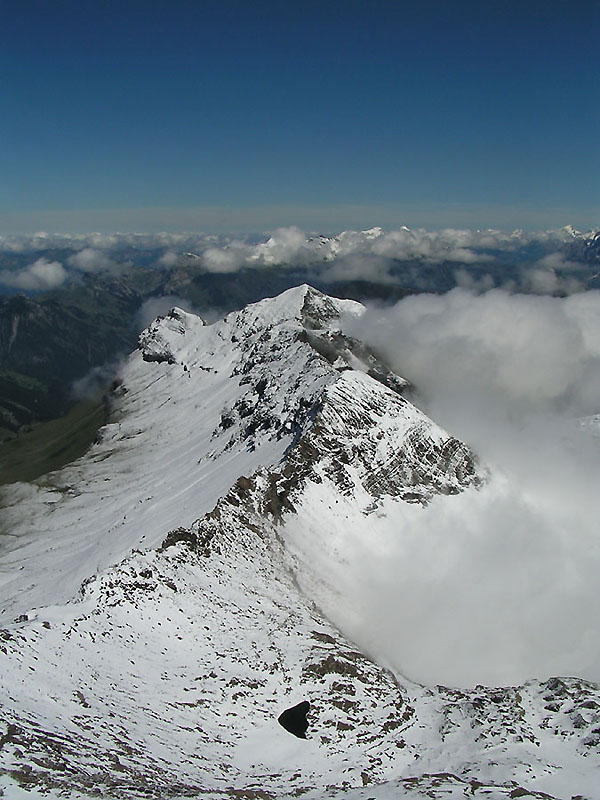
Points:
[(163, 589)]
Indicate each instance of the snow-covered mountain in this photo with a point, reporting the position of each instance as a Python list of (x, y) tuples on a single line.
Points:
[(168, 596)]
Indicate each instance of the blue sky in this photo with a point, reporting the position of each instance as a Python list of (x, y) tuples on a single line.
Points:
[(142, 115)]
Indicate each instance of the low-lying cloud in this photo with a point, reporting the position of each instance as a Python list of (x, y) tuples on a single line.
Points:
[(39, 276), (538, 352), (91, 260), (96, 381), (292, 247), (496, 585), (518, 261), (537, 262), (109, 242)]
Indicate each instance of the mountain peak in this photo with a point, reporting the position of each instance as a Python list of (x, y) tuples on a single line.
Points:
[(158, 341), (570, 230), (303, 304)]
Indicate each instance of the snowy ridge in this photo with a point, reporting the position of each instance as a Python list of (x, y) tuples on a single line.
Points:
[(190, 608), (194, 412)]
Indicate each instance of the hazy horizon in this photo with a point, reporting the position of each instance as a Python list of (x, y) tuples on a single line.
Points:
[(259, 220)]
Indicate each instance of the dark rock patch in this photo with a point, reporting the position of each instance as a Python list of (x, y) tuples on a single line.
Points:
[(294, 719)]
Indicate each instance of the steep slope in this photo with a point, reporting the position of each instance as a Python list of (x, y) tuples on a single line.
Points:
[(166, 592)]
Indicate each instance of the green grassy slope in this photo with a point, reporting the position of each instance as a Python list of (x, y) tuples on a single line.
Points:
[(51, 445)]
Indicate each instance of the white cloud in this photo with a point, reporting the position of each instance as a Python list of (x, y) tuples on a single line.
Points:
[(228, 258), (355, 266), (91, 260), (110, 242), (556, 260), (496, 585), (538, 262), (530, 349), (284, 247), (370, 254), (465, 280), (95, 382), (431, 246), (39, 276), (547, 281), (168, 259), (350, 254)]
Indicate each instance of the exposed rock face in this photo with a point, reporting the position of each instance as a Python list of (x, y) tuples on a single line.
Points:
[(180, 629), (156, 340), (365, 432)]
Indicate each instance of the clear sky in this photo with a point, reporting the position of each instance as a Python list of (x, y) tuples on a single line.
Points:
[(242, 114)]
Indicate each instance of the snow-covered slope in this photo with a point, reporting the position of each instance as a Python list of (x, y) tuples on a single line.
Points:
[(164, 597), (199, 406)]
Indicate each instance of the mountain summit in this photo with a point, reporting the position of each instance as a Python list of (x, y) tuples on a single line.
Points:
[(171, 600)]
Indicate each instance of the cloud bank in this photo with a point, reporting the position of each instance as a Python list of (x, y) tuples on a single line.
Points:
[(498, 585), (538, 262), (91, 260), (290, 246), (538, 352)]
